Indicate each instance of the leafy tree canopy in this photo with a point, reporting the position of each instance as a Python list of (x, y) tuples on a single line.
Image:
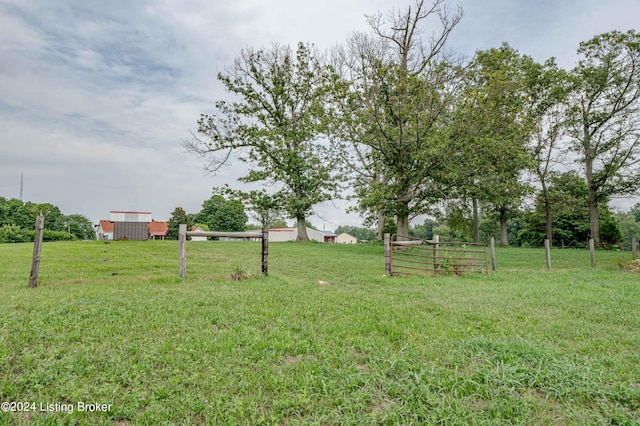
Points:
[(568, 196), (273, 125), (20, 218), (602, 118), (220, 214)]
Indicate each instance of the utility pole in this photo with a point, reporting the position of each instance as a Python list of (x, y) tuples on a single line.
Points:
[(21, 184)]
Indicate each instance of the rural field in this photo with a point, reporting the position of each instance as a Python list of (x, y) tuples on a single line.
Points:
[(113, 336)]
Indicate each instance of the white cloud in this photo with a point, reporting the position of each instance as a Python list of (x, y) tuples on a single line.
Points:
[(96, 96)]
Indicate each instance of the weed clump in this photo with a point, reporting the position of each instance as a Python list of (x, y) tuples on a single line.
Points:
[(633, 265), (240, 274)]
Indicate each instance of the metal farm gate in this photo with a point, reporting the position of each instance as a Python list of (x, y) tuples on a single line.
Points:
[(416, 256)]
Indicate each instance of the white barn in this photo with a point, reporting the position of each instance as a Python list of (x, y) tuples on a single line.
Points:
[(345, 238), (119, 216), (290, 234)]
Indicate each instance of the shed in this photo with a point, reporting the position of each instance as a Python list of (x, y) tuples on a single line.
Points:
[(197, 229)]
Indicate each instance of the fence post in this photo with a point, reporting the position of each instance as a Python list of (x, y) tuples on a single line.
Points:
[(492, 251), (436, 240), (265, 251), (37, 250), (592, 249), (634, 245), (387, 254), (547, 250), (182, 243)]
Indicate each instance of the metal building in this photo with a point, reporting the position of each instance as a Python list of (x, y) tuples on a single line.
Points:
[(130, 231), (130, 225)]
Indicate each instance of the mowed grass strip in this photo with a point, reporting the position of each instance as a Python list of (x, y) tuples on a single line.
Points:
[(325, 339)]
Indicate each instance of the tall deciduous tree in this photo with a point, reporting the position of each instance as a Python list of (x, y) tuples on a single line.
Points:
[(490, 131), (274, 124), (358, 61), (568, 196), (401, 90), (604, 117), (178, 217), (548, 89)]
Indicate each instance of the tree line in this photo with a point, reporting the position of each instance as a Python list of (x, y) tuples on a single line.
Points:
[(566, 192), (402, 125), (18, 218)]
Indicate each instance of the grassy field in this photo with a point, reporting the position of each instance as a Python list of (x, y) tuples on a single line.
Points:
[(325, 339)]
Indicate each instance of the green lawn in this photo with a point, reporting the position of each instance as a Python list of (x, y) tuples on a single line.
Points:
[(325, 339)]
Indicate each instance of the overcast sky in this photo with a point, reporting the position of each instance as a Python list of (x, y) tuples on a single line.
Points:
[(95, 96)]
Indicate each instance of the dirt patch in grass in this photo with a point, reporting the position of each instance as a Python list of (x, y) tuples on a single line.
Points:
[(292, 359)]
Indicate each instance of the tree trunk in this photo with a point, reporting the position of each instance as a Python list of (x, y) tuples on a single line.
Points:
[(476, 221), (547, 212), (403, 226), (381, 224), (594, 215), (302, 229), (504, 235)]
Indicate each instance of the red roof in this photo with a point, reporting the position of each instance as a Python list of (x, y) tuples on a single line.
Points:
[(106, 225), (158, 228)]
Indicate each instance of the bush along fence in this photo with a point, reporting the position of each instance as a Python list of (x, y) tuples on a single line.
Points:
[(406, 255), (263, 235)]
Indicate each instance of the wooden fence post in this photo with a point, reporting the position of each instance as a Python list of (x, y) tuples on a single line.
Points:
[(436, 254), (265, 251), (37, 250), (492, 251), (182, 243), (634, 248), (387, 254), (592, 249)]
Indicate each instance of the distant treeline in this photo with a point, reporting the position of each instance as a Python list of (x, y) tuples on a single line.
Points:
[(18, 218), (569, 211)]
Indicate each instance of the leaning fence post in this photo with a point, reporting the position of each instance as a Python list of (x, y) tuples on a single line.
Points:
[(387, 254), (492, 251), (37, 250), (182, 243), (634, 245), (547, 250), (265, 251), (592, 249)]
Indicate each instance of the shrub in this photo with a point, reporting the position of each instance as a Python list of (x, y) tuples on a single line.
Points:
[(13, 234)]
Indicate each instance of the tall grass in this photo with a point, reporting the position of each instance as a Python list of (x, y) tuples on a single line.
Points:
[(325, 339)]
